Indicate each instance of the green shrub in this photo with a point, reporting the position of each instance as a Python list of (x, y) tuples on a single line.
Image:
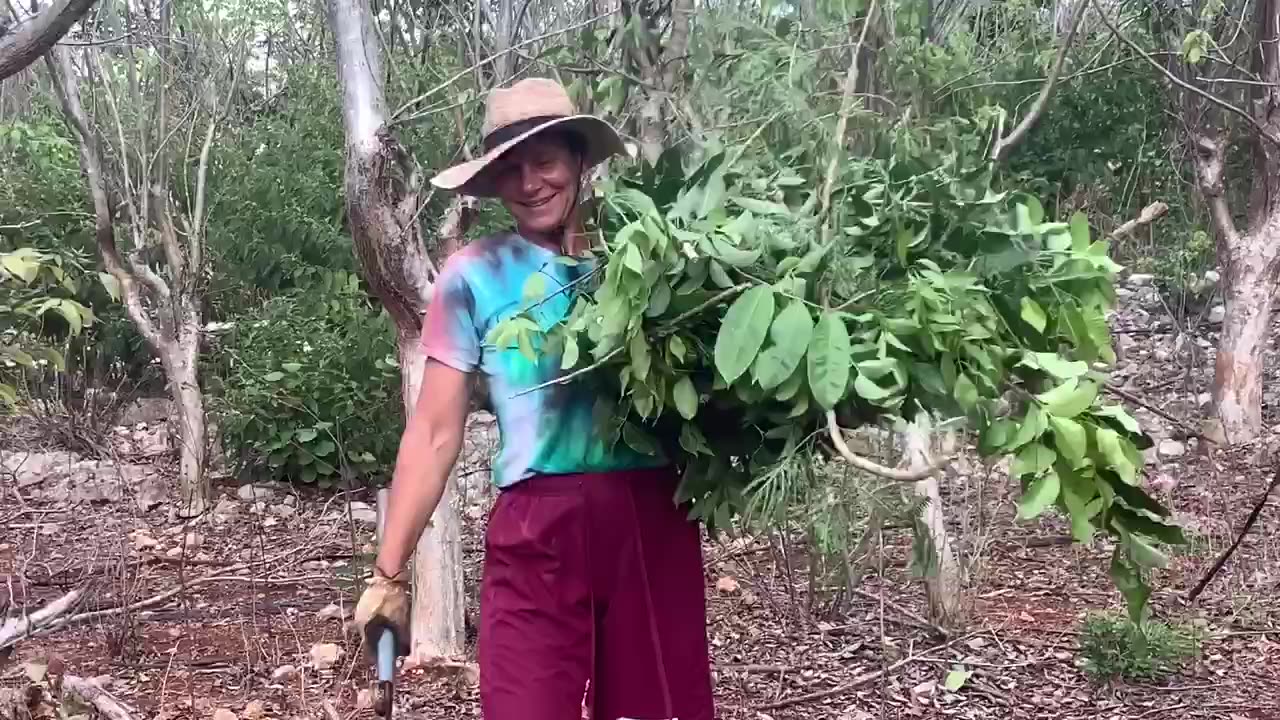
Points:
[(1114, 647), (307, 387)]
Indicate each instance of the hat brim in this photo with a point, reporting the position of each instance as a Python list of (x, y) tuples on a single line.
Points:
[(469, 178)]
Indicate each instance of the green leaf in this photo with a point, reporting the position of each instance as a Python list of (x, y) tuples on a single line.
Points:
[(306, 435), (274, 376), (743, 332), (1070, 398), (956, 679), (633, 259), (1069, 437), (1111, 446), (110, 284), (966, 392), (21, 265), (790, 335), (1033, 314), (1032, 460), (830, 360), (1121, 415), (713, 193), (1079, 232), (1055, 365), (291, 367), (1040, 495), (686, 398), (761, 207), (569, 357), (1128, 580), (1145, 554), (868, 390), (535, 286)]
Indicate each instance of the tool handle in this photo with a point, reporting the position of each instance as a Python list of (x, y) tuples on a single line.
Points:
[(386, 655)]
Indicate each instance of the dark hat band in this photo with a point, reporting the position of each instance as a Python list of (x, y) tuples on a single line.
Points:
[(516, 129)]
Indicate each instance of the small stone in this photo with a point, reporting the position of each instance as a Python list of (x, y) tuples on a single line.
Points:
[(1203, 399), (364, 515), (193, 541), (364, 699), (290, 500), (1211, 277), (151, 493), (1171, 449), (284, 511), (227, 508), (331, 612), (1217, 313), (142, 540), (325, 655), (283, 673), (173, 553), (251, 492), (1141, 279), (224, 714), (254, 710), (727, 584)]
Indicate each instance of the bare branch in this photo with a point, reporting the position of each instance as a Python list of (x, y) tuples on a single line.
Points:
[(15, 629), (1006, 144), (837, 151), (25, 44), (1210, 163), (94, 694), (195, 233), (678, 43), (1258, 127), (67, 87), (1149, 214), (875, 468)]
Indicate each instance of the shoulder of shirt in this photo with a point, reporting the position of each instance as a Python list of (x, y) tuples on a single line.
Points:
[(465, 257)]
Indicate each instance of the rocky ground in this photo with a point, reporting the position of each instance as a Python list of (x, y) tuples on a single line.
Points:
[(243, 613)]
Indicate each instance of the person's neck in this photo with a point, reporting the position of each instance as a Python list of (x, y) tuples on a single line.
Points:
[(569, 240)]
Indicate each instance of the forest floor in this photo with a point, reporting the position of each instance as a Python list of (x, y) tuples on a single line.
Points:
[(242, 613)]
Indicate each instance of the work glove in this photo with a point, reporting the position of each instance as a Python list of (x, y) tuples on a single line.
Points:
[(384, 605)]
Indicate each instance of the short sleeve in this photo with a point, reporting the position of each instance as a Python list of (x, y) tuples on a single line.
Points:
[(450, 333)]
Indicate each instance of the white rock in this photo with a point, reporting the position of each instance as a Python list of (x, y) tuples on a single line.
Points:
[(142, 540), (1217, 313), (1203, 399), (284, 510), (226, 508), (254, 710), (1141, 279), (175, 552), (364, 699), (331, 612), (1170, 448), (193, 541), (224, 714), (249, 493), (325, 655), (290, 500), (363, 514), (284, 672)]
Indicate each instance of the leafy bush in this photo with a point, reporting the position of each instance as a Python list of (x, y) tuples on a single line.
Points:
[(307, 387), (35, 285), (728, 327), (1114, 647)]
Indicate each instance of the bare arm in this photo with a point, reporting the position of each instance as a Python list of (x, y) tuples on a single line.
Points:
[(428, 449)]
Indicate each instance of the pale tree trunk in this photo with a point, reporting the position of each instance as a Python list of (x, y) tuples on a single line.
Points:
[(1250, 259), (382, 182), (944, 581), (660, 69), (27, 41), (165, 310)]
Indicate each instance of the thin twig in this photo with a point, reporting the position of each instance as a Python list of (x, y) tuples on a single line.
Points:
[(1226, 555), (837, 149), (576, 373), (1006, 144), (870, 466), (1253, 122), (1125, 394)]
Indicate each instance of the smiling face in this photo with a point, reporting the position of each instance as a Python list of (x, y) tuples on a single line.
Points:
[(537, 182)]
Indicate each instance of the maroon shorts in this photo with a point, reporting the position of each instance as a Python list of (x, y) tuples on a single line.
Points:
[(593, 583)]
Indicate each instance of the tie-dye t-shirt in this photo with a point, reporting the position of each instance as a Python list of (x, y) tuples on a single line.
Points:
[(548, 431)]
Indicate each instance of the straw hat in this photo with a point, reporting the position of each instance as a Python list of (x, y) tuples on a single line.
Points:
[(519, 112)]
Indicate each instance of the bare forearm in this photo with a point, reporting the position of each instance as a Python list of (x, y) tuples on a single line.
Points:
[(422, 469)]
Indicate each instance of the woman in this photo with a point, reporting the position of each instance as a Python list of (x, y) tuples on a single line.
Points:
[(592, 576)]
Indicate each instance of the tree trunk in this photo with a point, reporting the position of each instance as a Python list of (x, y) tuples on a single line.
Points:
[(180, 363), (1250, 276), (382, 181), (25, 43), (944, 579), (437, 625)]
